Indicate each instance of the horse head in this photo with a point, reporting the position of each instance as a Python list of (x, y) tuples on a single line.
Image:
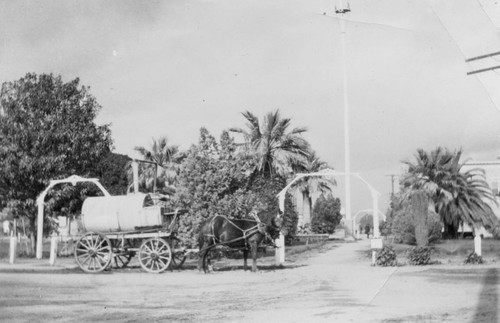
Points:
[(275, 225)]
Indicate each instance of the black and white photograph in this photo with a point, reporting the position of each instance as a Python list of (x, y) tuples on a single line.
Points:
[(250, 161)]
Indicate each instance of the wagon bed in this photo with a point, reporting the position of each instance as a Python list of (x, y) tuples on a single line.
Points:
[(107, 246)]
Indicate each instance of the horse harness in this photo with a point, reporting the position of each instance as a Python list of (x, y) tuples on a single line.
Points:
[(258, 227)]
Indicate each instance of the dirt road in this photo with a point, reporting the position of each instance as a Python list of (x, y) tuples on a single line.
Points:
[(337, 284)]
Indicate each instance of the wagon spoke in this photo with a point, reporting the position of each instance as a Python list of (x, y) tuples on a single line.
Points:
[(84, 250), (149, 249), (87, 258), (100, 243)]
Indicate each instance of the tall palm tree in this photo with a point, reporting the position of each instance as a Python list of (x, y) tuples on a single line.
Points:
[(457, 196), (314, 184), (277, 149), (164, 155)]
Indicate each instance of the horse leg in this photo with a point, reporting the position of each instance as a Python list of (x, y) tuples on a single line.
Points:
[(253, 248), (207, 263), (245, 258)]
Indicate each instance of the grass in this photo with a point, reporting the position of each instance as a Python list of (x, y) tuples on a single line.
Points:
[(455, 251)]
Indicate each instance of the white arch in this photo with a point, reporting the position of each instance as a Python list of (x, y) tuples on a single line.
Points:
[(73, 179), (329, 172), (367, 211)]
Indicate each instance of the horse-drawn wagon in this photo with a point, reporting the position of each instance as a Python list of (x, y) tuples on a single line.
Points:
[(117, 228)]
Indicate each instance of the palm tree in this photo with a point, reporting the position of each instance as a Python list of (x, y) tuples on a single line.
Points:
[(164, 155), (275, 149), (457, 196), (313, 184)]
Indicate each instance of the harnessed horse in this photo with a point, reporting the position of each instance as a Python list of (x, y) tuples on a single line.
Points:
[(239, 234)]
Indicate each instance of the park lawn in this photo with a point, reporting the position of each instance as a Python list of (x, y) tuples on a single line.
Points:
[(456, 251)]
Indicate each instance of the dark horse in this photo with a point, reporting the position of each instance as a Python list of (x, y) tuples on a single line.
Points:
[(242, 234)]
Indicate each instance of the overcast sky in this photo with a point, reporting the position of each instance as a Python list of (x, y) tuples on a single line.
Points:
[(167, 68)]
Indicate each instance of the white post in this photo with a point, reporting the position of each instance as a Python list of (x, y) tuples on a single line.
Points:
[(39, 235), (13, 248), (376, 229), (135, 174), (280, 250), (477, 240), (53, 249), (376, 242)]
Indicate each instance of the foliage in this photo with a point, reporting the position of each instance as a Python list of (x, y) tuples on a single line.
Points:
[(304, 229), (311, 184), (276, 150), (404, 226), (326, 214), (386, 257), (456, 195), (47, 131), (419, 256), (215, 179), (474, 259), (112, 173), (167, 157)]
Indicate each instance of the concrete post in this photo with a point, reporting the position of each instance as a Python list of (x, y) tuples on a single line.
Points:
[(13, 248), (39, 234), (477, 240), (53, 249), (280, 250)]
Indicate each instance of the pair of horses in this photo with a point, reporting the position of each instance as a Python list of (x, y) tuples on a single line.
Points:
[(238, 234)]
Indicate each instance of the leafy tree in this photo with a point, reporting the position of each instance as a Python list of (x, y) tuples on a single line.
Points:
[(326, 214), (215, 179), (456, 195), (276, 149), (212, 180), (47, 131), (112, 171)]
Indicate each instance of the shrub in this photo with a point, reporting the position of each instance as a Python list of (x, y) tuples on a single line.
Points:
[(326, 215), (419, 256), (386, 257), (403, 228), (474, 259)]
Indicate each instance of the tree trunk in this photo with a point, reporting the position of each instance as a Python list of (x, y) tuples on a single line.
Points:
[(306, 211), (420, 206)]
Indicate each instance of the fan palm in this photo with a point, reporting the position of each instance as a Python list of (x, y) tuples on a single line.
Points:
[(275, 149), (164, 155), (457, 196), (313, 184)]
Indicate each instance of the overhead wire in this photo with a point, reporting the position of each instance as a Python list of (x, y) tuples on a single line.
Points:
[(463, 54)]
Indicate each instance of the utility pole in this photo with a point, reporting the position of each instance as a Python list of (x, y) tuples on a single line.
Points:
[(342, 8), (392, 176)]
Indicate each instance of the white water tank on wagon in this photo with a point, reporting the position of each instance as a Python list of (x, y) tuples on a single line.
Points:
[(120, 213)]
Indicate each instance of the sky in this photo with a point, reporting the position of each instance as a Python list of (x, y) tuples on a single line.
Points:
[(168, 68)]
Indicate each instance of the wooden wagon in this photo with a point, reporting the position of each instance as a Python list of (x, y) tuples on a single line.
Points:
[(117, 228)]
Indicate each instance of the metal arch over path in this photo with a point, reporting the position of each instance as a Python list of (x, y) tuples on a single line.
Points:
[(40, 202), (367, 211), (330, 172), (326, 173)]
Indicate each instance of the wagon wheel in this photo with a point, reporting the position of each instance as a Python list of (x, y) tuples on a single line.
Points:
[(93, 252), (178, 253), (121, 254), (155, 255)]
